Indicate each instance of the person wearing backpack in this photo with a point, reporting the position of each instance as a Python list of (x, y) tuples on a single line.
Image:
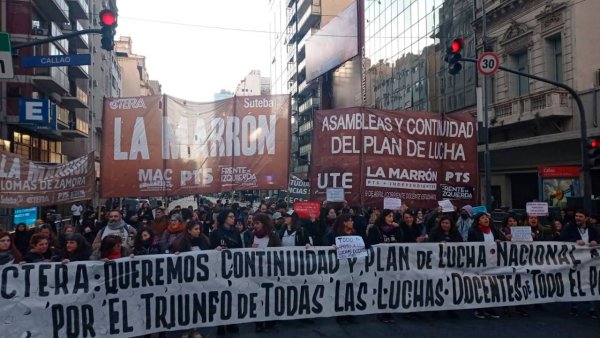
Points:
[(115, 226)]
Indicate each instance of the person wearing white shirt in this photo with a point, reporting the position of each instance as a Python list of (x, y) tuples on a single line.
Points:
[(76, 211)]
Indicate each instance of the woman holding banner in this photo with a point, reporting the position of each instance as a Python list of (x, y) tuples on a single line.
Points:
[(226, 236), (445, 231), (75, 249), (40, 250), (482, 231), (8, 252), (264, 237), (343, 226), (385, 231)]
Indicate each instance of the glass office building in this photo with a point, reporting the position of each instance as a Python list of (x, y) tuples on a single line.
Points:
[(405, 45)]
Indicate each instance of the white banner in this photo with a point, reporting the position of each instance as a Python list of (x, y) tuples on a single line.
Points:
[(141, 295)]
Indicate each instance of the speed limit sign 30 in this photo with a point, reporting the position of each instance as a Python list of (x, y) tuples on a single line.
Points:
[(488, 63)]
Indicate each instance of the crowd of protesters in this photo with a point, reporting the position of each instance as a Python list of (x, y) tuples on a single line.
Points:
[(122, 233)]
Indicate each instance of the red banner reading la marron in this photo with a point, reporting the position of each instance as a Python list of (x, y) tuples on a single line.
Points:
[(157, 145), (374, 154)]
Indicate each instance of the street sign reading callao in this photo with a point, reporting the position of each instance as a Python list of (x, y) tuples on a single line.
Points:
[(488, 63), (6, 64)]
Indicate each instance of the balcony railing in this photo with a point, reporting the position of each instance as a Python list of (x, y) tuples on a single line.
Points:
[(550, 103), (306, 127), (302, 168), (302, 42), (79, 9), (56, 31), (82, 126), (309, 18), (62, 115), (55, 10), (312, 102), (305, 149)]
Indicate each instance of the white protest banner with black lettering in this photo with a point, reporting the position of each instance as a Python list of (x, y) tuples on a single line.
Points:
[(141, 295)]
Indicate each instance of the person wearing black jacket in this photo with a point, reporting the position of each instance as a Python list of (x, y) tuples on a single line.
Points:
[(226, 236), (579, 232), (145, 243), (22, 237), (385, 231), (192, 240), (445, 231), (482, 231), (291, 233), (413, 232), (75, 249)]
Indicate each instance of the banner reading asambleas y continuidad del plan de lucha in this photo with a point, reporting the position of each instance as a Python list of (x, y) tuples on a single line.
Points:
[(161, 145), (24, 183), (141, 295), (373, 154)]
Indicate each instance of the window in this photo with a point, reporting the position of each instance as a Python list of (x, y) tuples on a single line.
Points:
[(555, 63), (521, 84), (37, 149)]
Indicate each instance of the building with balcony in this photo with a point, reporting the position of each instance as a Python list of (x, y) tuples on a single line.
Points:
[(532, 124), (136, 81), (75, 92), (294, 22)]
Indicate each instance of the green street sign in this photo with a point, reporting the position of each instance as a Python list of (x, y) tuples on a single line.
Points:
[(6, 65)]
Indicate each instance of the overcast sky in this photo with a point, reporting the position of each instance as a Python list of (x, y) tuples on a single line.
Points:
[(189, 59)]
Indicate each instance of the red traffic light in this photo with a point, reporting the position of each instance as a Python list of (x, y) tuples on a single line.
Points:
[(594, 143), (108, 18), (457, 45)]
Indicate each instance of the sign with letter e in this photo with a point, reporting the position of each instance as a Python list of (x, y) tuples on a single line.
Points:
[(39, 112)]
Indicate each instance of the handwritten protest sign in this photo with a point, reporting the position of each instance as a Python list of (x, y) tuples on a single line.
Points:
[(392, 203), (537, 208), (335, 194), (350, 247), (446, 205), (521, 234)]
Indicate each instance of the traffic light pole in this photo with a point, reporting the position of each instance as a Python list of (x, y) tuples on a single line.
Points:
[(56, 38), (585, 163)]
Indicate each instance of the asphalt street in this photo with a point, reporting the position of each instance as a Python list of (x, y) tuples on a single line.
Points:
[(553, 321)]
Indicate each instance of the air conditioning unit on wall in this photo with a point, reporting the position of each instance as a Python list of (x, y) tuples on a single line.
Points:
[(39, 31)]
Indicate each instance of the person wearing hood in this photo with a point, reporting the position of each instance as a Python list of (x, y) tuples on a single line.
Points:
[(465, 221), (116, 226), (22, 237)]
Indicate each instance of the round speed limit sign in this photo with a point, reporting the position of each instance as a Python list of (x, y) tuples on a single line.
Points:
[(488, 63)]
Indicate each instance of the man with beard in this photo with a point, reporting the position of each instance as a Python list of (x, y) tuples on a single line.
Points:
[(579, 232), (160, 222), (115, 226)]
